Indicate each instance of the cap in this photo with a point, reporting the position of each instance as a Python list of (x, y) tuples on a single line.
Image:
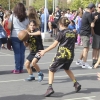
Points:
[(91, 5)]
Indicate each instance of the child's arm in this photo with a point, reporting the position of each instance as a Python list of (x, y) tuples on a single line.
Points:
[(25, 43), (55, 43), (35, 33)]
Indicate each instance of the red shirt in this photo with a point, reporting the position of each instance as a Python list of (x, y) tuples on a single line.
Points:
[(6, 27)]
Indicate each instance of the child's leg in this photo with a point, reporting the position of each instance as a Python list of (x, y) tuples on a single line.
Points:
[(97, 64), (78, 39), (27, 65), (51, 77), (76, 84), (29, 70), (98, 76), (71, 75), (40, 74), (50, 89)]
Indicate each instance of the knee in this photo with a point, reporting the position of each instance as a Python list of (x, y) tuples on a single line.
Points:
[(86, 49), (27, 65), (33, 63)]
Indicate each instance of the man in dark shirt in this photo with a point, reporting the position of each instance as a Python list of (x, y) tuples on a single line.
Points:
[(1, 13), (96, 37), (85, 32)]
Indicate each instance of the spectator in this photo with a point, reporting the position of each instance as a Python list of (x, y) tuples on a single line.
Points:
[(20, 22), (85, 32), (96, 37)]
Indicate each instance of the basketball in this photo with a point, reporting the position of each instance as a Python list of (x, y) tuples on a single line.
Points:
[(23, 35)]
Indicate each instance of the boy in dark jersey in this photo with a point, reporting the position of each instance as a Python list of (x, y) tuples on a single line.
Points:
[(65, 54), (35, 44)]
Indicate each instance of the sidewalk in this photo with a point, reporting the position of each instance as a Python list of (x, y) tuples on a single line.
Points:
[(48, 40)]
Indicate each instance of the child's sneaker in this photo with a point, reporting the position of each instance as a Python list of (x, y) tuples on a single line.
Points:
[(77, 86), (40, 76), (49, 92), (30, 79)]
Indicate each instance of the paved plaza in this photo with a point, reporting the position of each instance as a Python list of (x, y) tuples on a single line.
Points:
[(13, 86)]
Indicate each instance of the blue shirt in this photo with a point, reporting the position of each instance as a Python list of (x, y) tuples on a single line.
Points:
[(43, 18), (71, 27)]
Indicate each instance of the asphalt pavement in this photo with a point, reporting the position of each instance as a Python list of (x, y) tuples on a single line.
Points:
[(13, 86)]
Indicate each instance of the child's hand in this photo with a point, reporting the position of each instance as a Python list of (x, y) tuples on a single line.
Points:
[(74, 30), (41, 52)]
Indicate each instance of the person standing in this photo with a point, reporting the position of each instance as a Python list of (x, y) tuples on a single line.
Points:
[(85, 33), (20, 22), (1, 13), (96, 37)]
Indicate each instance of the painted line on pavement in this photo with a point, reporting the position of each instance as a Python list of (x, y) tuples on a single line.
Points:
[(45, 63), (83, 98), (47, 77)]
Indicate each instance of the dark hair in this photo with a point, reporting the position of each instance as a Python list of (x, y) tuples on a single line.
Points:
[(32, 15), (64, 21), (73, 22), (33, 21), (20, 12)]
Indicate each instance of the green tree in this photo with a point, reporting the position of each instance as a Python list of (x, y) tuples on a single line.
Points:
[(37, 4), (81, 3), (5, 3)]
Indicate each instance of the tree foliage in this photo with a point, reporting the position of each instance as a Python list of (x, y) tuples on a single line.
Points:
[(5, 3), (41, 3), (81, 3)]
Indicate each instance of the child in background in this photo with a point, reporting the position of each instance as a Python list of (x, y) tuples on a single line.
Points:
[(78, 26), (71, 26), (65, 54), (5, 23), (35, 44)]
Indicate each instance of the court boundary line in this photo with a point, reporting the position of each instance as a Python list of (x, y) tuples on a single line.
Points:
[(17, 80)]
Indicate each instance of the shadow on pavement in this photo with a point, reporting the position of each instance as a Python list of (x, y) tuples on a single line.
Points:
[(33, 97), (24, 71)]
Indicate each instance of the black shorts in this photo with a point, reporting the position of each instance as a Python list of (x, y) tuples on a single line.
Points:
[(54, 25), (60, 65), (31, 56)]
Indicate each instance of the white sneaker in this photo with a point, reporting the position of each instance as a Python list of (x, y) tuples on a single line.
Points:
[(79, 63), (86, 65)]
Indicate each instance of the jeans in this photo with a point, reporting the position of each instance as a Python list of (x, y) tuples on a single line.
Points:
[(0, 43), (19, 53), (42, 27)]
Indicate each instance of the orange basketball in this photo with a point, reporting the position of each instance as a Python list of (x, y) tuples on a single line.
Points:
[(23, 35)]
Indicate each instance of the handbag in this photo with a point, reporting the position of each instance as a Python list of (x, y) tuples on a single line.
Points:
[(9, 41)]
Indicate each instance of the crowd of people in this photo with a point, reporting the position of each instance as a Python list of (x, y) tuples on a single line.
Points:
[(68, 27)]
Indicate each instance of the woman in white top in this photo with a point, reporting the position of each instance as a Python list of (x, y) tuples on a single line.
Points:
[(20, 22)]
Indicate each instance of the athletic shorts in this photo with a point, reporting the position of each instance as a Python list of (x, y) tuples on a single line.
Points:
[(31, 56), (54, 25), (60, 65), (85, 41), (96, 42)]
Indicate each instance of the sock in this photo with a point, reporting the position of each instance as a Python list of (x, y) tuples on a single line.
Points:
[(31, 75), (83, 63), (39, 72), (94, 61), (50, 85), (74, 81)]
